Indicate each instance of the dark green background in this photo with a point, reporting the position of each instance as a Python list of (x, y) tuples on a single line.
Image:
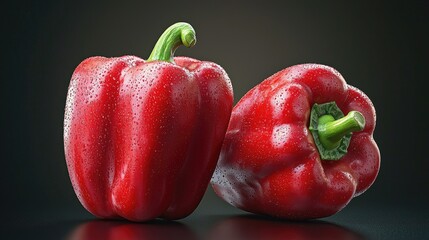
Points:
[(379, 47)]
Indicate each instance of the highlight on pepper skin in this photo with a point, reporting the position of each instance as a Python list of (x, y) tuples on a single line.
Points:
[(135, 129), (298, 146)]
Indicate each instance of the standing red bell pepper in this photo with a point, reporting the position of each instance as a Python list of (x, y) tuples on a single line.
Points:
[(142, 138), (289, 151)]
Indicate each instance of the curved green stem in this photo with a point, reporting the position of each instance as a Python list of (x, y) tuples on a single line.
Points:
[(332, 131), (177, 34)]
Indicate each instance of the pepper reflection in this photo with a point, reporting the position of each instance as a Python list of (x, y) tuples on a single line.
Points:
[(117, 230), (256, 227)]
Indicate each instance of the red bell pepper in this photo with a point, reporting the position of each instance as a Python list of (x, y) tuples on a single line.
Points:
[(289, 151), (142, 138)]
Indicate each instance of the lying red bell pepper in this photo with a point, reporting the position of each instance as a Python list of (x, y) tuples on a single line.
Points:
[(289, 151), (142, 138)]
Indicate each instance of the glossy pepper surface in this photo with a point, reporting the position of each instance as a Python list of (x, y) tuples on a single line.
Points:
[(290, 152), (142, 138)]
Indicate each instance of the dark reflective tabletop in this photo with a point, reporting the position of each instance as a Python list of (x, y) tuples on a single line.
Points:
[(376, 222)]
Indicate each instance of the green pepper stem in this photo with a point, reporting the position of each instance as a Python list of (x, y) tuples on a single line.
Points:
[(177, 34), (331, 131)]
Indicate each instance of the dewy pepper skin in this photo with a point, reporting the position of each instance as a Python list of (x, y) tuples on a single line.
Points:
[(142, 138), (290, 152)]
